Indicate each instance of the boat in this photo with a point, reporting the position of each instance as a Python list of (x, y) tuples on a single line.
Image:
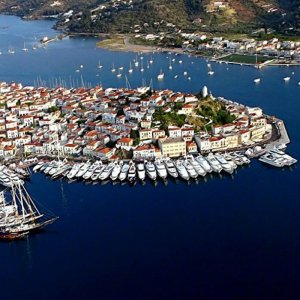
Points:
[(270, 159), (286, 79), (210, 72), (161, 75), (170, 166), (90, 171), (131, 173), (226, 166), (170, 65), (130, 68), (142, 67), (61, 171), (74, 170), (124, 172), (99, 66), (116, 171), (185, 73), (113, 69), (289, 160), (182, 170), (19, 214), (204, 164), (97, 172), (141, 171), (161, 169), (37, 167), (257, 80), (83, 169), (200, 171), (180, 61), (150, 170), (106, 172), (11, 51), (216, 166), (25, 49), (119, 75), (190, 169), (176, 76)]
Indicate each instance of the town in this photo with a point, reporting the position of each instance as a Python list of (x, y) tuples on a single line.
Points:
[(97, 134), (119, 123)]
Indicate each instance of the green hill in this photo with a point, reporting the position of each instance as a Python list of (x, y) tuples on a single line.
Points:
[(162, 15)]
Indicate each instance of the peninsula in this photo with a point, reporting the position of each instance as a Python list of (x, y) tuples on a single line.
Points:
[(131, 125)]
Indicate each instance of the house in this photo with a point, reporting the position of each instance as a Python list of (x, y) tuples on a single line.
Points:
[(172, 147), (174, 132), (144, 152), (125, 142), (145, 134), (191, 147)]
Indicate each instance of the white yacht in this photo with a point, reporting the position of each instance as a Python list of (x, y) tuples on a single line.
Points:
[(161, 169), (280, 154), (216, 166), (204, 164), (141, 171), (286, 79), (131, 173), (226, 166), (124, 172), (198, 168), (190, 169), (171, 168), (61, 171), (270, 159), (97, 172), (107, 171), (90, 171), (116, 171), (83, 169), (182, 170), (50, 165), (74, 170), (37, 167), (150, 170)]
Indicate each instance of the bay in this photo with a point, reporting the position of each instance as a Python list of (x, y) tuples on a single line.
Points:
[(221, 238)]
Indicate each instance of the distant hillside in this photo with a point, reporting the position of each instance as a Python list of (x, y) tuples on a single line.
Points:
[(158, 15)]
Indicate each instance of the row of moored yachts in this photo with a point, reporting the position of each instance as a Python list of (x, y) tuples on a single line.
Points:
[(185, 168)]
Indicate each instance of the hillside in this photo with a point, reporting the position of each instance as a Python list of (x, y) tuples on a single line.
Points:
[(161, 15)]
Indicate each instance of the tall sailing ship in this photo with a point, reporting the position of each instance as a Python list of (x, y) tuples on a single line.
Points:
[(19, 215)]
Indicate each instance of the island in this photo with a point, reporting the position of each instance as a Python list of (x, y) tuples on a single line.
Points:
[(74, 132)]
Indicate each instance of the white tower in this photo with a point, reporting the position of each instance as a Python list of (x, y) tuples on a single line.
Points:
[(204, 92)]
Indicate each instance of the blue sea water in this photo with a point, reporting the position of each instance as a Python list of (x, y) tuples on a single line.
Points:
[(220, 238)]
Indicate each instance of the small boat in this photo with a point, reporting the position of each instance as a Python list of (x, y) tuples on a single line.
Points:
[(113, 69), (185, 73), (99, 65), (286, 79), (37, 167), (25, 49), (180, 61), (176, 76), (257, 80), (130, 68), (210, 73), (170, 65), (161, 75)]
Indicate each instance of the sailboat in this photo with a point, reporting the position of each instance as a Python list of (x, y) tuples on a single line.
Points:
[(119, 74), (170, 65), (24, 48), (142, 67), (19, 215), (113, 68), (11, 50), (161, 75), (99, 65), (130, 68)]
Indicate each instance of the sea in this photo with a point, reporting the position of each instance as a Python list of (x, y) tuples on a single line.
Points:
[(222, 237)]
